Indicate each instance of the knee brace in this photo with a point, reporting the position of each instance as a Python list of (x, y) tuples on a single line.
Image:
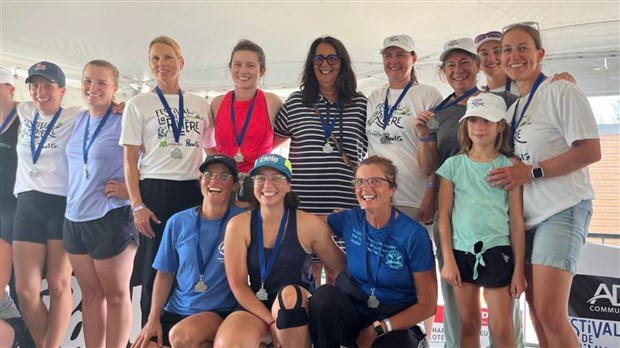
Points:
[(294, 317)]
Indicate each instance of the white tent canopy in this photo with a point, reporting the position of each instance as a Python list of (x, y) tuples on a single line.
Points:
[(582, 37)]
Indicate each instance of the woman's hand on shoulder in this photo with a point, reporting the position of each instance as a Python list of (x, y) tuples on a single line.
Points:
[(510, 177)]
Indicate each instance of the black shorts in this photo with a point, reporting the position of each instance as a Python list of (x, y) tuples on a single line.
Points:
[(7, 216), (101, 238), (19, 329), (168, 320), (498, 270), (39, 217)]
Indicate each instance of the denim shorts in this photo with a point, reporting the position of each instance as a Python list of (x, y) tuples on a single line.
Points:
[(557, 242)]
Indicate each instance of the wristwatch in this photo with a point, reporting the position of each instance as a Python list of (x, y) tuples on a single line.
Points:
[(537, 173), (378, 328)]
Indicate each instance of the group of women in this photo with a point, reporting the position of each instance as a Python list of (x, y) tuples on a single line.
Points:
[(84, 204)]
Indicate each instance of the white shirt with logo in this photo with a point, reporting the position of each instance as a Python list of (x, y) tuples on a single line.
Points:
[(52, 164), (146, 122), (559, 114), (402, 145)]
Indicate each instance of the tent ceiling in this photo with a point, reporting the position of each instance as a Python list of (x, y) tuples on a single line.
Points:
[(580, 37)]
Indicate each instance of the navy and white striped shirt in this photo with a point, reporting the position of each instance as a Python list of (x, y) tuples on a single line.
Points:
[(323, 180)]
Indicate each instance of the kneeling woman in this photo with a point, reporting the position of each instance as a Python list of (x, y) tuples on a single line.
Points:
[(191, 253), (273, 245), (390, 285)]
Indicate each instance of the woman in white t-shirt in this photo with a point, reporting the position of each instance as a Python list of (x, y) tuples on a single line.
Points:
[(555, 136), (166, 129), (41, 189)]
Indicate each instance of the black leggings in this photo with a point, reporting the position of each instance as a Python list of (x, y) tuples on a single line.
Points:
[(335, 322)]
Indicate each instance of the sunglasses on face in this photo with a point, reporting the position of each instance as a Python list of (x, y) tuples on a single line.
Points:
[(332, 59), (261, 179), (218, 176), (372, 182), (529, 24), (490, 34)]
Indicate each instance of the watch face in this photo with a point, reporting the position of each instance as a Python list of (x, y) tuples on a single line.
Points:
[(378, 328), (537, 173)]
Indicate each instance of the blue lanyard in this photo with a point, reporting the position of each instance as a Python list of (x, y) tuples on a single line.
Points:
[(515, 123), (176, 127), (372, 279), (328, 124), (387, 115), (202, 264), (444, 104), (246, 122), (8, 120), (86, 144), (35, 152), (265, 269)]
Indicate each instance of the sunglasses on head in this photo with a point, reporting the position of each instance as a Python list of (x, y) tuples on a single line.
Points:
[(490, 34), (529, 24), (332, 59)]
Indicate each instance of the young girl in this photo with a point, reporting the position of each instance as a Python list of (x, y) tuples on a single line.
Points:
[(481, 227)]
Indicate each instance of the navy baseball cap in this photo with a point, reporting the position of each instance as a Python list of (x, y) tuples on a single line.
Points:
[(48, 71), (230, 163)]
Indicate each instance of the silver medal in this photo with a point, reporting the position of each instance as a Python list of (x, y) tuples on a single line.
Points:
[(200, 286), (432, 123), (34, 172), (372, 302), (176, 153), (238, 157), (85, 173), (384, 139), (262, 294), (327, 148)]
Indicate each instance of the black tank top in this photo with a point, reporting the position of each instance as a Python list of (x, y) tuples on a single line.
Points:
[(8, 161), (293, 266)]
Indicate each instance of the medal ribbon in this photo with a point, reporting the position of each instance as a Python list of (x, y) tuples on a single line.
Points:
[(515, 123), (444, 104), (8, 120), (372, 280), (246, 122), (387, 115), (35, 152), (86, 144), (202, 264), (176, 127), (265, 269)]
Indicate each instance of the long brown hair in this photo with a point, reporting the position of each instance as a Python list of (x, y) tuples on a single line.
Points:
[(503, 142)]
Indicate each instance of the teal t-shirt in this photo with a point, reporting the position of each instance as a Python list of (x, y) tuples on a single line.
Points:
[(480, 211)]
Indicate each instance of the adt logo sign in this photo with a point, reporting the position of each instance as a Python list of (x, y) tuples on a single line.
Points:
[(603, 293)]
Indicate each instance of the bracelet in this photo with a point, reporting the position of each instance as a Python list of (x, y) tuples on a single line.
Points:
[(138, 207), (432, 185), (388, 324), (425, 139)]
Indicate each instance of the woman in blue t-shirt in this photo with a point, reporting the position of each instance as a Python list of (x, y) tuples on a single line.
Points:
[(191, 296), (390, 284)]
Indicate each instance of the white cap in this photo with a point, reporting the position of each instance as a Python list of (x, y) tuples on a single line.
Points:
[(6, 76), (486, 105), (466, 44), (401, 41)]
